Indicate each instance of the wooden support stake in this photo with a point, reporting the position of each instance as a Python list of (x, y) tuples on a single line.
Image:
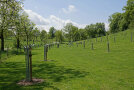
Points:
[(30, 57), (27, 63), (108, 48)]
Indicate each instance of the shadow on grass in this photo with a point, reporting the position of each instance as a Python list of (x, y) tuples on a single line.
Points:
[(12, 72), (58, 73)]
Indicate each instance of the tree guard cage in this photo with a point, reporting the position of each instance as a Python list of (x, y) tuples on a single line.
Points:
[(84, 44), (45, 51), (0, 55), (92, 46), (28, 60), (108, 48), (58, 45)]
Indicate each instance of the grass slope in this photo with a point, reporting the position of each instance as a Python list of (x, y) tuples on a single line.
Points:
[(76, 68)]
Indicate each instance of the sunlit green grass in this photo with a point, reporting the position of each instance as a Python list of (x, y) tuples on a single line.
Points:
[(76, 68)]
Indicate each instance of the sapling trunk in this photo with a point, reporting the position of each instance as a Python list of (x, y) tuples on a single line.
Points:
[(18, 43), (0, 55), (114, 39), (107, 38), (7, 52), (2, 41), (84, 44), (77, 44), (92, 46)]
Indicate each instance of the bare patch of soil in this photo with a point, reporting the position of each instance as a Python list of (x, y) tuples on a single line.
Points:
[(34, 81)]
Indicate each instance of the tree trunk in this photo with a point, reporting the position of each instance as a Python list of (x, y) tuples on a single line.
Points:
[(18, 43), (2, 41), (27, 40), (36, 38)]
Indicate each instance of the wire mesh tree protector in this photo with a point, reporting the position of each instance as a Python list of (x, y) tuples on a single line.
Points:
[(28, 60)]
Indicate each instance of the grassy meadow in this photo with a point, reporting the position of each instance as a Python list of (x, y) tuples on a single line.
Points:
[(76, 68)]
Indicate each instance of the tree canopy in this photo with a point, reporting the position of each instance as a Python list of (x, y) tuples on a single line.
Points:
[(123, 21)]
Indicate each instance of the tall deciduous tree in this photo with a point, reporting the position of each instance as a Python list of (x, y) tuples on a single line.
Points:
[(115, 21), (129, 13), (71, 32), (100, 29), (8, 10), (123, 21), (43, 35), (36, 33), (75, 33), (17, 28), (59, 36), (91, 30), (83, 34), (28, 27), (95, 30), (52, 31), (68, 31)]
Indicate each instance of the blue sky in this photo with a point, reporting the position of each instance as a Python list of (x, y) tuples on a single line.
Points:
[(79, 12)]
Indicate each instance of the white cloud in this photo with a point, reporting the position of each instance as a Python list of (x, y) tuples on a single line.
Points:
[(70, 9), (107, 26), (36, 18), (46, 23)]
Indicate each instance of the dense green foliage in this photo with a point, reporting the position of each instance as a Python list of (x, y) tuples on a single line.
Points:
[(95, 30), (52, 32), (8, 17), (43, 35), (59, 36), (123, 21)]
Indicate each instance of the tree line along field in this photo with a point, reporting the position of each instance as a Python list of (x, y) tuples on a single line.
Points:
[(72, 67)]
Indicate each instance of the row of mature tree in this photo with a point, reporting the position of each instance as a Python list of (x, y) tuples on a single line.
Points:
[(73, 33), (90, 31), (123, 21)]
